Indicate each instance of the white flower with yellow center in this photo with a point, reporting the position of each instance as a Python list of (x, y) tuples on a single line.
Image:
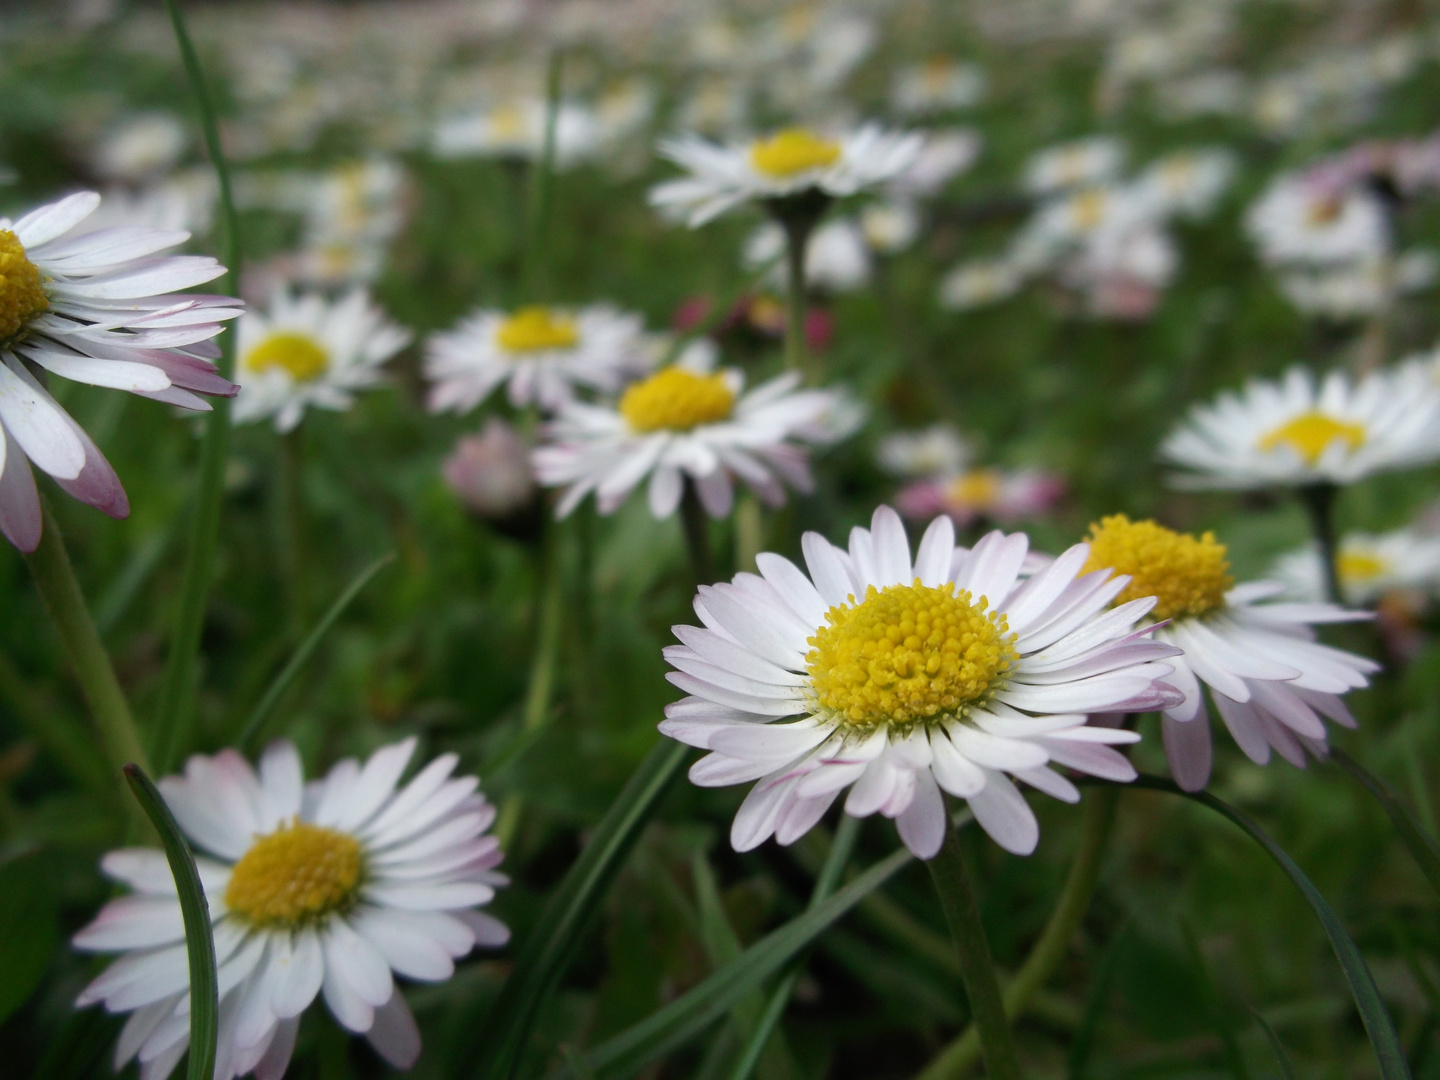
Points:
[(1299, 222), (938, 84), (1270, 680), (330, 888), (1295, 432), (516, 129), (1188, 182), (939, 450), (684, 422), (309, 352), (100, 308), (791, 162), (1081, 163), (1369, 565), (903, 679), (541, 354)]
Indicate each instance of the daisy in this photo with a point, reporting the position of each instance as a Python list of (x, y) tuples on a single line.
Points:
[(330, 887), (98, 308), (1188, 182), (947, 153), (1295, 221), (937, 450), (939, 84), (1369, 565), (310, 352), (979, 282), (837, 258), (541, 353), (517, 130), (1080, 163), (908, 678), (790, 163), (1270, 680), (491, 472), (1297, 433), (684, 422), (996, 495)]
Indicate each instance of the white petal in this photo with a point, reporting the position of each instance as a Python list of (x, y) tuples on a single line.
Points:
[(922, 826), (932, 560), (394, 1034), (1187, 748), (892, 549), (1003, 812)]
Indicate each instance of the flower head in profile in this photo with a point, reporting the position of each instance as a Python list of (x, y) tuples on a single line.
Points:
[(685, 422), (938, 84), (540, 354), (332, 888), (1269, 679), (900, 679), (1297, 432), (309, 352), (790, 162), (101, 308), (1369, 566)]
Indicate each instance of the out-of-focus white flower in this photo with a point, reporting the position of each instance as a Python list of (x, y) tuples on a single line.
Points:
[(947, 153), (1369, 565), (980, 282), (140, 146), (939, 450), (1001, 496), (1189, 182), (1295, 221), (889, 227), (790, 162), (939, 84), (309, 352), (516, 129), (1081, 163), (1359, 289), (836, 257), (491, 472), (623, 109), (184, 201), (1297, 431)]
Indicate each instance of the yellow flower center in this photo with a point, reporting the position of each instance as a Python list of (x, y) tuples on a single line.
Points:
[(1310, 434), (1322, 212), (978, 488), (792, 151), (532, 329), (936, 74), (1187, 574), (1357, 567), (296, 875), (907, 654), (22, 295), (299, 355), (677, 400), (1088, 209), (507, 123)]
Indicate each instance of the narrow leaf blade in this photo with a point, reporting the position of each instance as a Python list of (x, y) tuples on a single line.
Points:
[(1422, 846)]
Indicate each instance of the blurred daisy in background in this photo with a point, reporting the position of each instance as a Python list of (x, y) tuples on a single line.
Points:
[(1369, 565), (491, 472), (938, 450), (1080, 163), (1270, 680), (909, 678), (946, 154), (98, 308), (516, 129), (1297, 221), (309, 352), (1298, 431), (791, 162), (140, 146), (837, 258), (685, 422), (938, 84), (328, 888), (986, 494), (1188, 183), (540, 354)]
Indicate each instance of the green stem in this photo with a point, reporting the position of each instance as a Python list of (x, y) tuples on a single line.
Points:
[(293, 527), (825, 883), (1319, 500), (55, 578), (173, 714), (1096, 825), (962, 913), (542, 186), (697, 535), (749, 532), (797, 239)]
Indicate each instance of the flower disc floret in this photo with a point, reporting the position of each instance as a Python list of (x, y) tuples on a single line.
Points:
[(22, 294), (978, 488), (1359, 567), (302, 357), (677, 400), (1186, 574), (1311, 433), (295, 876), (793, 151), (535, 329), (907, 654)]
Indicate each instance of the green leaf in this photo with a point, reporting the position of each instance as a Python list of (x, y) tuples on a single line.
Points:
[(1422, 846), (689, 1015), (307, 648), (1282, 1057), (1077, 1060), (1373, 1014), (199, 939), (550, 948), (27, 928)]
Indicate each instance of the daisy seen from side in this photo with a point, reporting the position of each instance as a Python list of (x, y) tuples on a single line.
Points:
[(900, 679), (329, 888), (1368, 566)]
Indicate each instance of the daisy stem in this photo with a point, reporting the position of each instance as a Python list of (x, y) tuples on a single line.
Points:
[(1097, 823), (697, 535), (293, 530), (840, 848), (542, 186), (177, 688), (1319, 500), (962, 913), (55, 578), (797, 238)]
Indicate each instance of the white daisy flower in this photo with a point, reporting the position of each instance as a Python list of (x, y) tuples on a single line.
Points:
[(330, 888), (979, 282), (939, 450), (837, 257), (938, 84), (1295, 432), (1270, 680), (889, 227), (516, 129), (1080, 163), (790, 162), (140, 146), (909, 679), (307, 351), (1369, 565), (542, 354), (98, 308), (684, 422), (947, 153), (1295, 221), (1188, 182)]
